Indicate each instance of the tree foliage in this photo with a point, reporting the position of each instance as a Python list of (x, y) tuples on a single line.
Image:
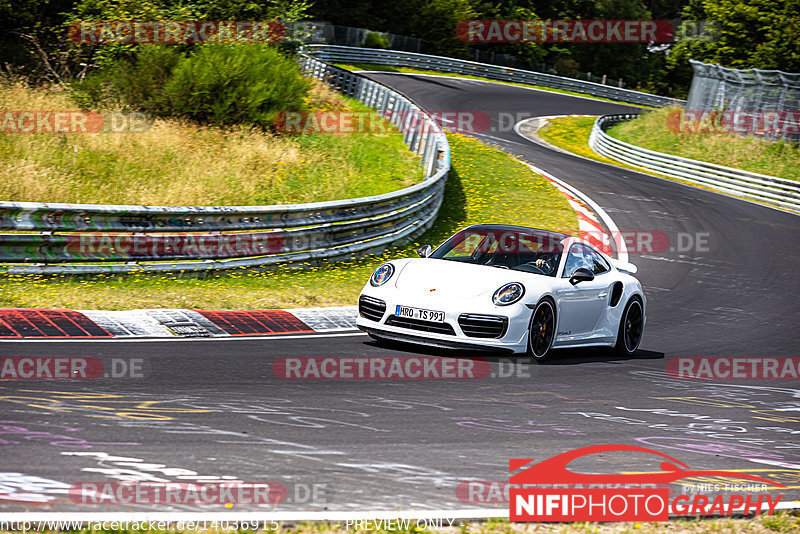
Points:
[(33, 33), (749, 33), (744, 34)]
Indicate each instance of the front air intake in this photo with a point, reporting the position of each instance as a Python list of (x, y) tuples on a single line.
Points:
[(371, 308), (483, 326)]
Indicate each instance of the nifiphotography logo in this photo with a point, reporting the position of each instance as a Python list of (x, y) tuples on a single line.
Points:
[(548, 491)]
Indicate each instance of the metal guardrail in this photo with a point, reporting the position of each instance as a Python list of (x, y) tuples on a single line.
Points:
[(346, 54), (68, 240), (761, 187)]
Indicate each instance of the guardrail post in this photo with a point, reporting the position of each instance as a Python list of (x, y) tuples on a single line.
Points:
[(406, 118), (422, 137), (427, 156), (381, 104), (416, 130)]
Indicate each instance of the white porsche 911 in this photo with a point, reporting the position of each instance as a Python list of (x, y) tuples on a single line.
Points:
[(509, 288)]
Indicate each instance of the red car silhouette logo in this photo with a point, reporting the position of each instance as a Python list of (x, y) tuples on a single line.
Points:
[(554, 470)]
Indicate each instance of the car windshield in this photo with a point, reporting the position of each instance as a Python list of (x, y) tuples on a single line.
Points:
[(518, 249)]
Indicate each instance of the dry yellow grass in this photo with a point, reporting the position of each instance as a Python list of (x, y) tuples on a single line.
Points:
[(178, 163)]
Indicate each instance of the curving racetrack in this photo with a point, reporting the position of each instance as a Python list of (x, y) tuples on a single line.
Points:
[(215, 407)]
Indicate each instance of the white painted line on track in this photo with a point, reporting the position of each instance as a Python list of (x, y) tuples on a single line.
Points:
[(499, 139), (176, 338)]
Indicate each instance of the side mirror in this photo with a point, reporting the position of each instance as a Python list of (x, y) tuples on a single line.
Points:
[(424, 251), (581, 274)]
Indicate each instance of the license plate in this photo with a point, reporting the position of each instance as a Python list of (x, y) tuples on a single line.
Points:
[(419, 313)]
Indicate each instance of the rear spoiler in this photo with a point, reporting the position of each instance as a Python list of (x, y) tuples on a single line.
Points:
[(624, 266)]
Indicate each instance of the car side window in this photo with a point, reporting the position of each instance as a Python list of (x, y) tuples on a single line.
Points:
[(582, 256), (599, 264), (575, 259)]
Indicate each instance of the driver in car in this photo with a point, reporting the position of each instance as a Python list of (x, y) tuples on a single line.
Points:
[(547, 263)]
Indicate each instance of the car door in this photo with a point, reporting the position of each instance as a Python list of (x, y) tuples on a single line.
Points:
[(581, 305)]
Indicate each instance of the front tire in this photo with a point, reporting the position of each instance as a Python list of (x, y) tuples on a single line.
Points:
[(631, 327), (542, 330)]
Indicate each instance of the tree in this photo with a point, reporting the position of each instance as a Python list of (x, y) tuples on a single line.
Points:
[(746, 34)]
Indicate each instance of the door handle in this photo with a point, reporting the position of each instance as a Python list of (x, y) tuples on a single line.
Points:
[(602, 295)]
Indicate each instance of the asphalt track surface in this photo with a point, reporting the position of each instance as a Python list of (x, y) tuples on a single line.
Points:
[(215, 408)]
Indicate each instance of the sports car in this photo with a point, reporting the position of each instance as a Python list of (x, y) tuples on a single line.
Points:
[(510, 288)]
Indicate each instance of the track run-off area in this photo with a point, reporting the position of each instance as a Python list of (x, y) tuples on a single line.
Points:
[(214, 409)]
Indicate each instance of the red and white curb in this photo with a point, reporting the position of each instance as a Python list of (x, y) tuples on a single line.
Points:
[(589, 225), (30, 323)]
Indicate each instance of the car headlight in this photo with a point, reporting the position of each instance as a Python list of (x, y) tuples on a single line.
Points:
[(381, 275), (508, 294)]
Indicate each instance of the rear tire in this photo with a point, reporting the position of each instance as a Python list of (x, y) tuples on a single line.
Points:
[(542, 330), (631, 327)]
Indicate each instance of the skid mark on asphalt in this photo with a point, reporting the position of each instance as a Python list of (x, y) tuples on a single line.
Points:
[(19, 432), (100, 405)]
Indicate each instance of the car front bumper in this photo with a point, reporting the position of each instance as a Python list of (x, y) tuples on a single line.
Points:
[(450, 333)]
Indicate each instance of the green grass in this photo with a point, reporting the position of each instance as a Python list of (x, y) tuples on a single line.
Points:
[(484, 186), (748, 153), (392, 68), (179, 163), (571, 133)]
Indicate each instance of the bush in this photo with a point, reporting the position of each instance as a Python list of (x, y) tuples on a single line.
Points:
[(216, 85), (376, 40), (135, 81), (227, 84)]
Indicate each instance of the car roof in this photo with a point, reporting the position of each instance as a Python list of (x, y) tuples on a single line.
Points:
[(506, 227)]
